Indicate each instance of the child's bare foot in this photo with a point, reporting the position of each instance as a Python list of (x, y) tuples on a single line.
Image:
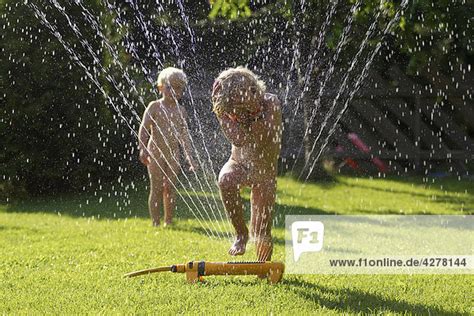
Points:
[(238, 248), (156, 223), (167, 224)]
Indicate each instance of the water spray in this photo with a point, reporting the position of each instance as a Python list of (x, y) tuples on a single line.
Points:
[(196, 270)]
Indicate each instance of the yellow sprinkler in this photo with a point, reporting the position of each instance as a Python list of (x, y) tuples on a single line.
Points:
[(196, 270)]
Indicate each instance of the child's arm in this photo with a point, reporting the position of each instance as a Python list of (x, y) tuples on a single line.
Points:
[(144, 135), (184, 131), (237, 133)]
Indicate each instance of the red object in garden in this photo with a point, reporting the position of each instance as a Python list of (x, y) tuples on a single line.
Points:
[(354, 138), (351, 163), (356, 141)]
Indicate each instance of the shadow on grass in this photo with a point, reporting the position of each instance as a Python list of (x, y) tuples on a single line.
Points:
[(348, 300), (134, 205), (88, 205)]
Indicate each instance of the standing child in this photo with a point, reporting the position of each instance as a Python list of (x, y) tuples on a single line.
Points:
[(162, 131), (251, 121)]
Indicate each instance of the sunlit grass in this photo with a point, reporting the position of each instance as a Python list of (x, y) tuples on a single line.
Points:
[(59, 256), (349, 195)]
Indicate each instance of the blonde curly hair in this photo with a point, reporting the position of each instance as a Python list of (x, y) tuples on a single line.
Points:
[(233, 89), (173, 77)]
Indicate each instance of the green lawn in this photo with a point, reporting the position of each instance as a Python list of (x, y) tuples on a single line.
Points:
[(68, 254)]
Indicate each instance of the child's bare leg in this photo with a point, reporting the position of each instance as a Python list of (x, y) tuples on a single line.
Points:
[(156, 189), (230, 179), (263, 201), (169, 194)]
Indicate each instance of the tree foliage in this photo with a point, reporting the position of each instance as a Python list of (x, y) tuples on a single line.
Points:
[(57, 132), (428, 33)]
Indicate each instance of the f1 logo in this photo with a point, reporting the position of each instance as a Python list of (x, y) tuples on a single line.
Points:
[(307, 236)]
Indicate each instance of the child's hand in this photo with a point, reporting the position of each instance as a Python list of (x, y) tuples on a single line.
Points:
[(193, 167), (144, 157)]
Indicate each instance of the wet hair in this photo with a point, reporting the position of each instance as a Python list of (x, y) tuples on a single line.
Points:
[(173, 77), (233, 89)]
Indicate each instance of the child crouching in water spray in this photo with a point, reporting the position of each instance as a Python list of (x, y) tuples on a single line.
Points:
[(251, 121), (163, 129)]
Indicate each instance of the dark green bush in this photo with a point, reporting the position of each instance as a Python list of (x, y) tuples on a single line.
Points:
[(57, 133)]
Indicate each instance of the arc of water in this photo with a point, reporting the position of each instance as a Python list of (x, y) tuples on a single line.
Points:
[(126, 101), (342, 87), (211, 165), (75, 57), (185, 18), (320, 40), (309, 69), (197, 178), (312, 57), (97, 29), (328, 75), (192, 143), (140, 20), (131, 48), (199, 125), (116, 59), (143, 26), (294, 59), (357, 84), (195, 149), (186, 23)]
